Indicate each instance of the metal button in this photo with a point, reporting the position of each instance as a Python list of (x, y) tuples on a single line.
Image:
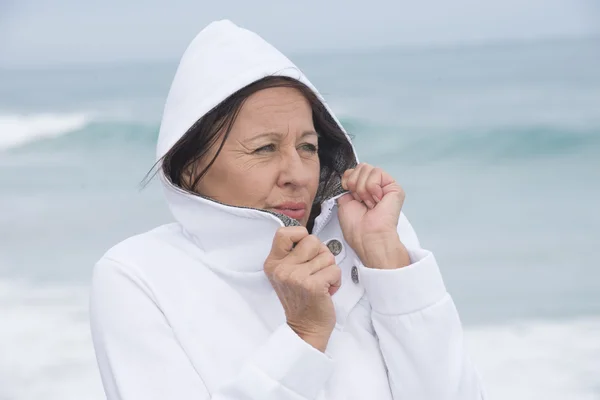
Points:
[(354, 274), (335, 246)]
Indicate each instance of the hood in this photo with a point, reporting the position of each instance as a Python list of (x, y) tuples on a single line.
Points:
[(219, 61)]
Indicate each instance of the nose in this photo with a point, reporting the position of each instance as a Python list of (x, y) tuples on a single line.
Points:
[(294, 170)]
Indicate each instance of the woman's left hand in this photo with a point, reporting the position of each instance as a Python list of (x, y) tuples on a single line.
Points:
[(369, 217)]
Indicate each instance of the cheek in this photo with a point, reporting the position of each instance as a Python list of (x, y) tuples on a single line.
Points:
[(255, 188), (315, 173), (255, 175), (243, 184)]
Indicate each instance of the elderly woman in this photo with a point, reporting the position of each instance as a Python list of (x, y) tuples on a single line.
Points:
[(290, 272)]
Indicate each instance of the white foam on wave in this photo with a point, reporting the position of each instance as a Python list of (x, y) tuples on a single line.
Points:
[(17, 130), (46, 351), (539, 360)]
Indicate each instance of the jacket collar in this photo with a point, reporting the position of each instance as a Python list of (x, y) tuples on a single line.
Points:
[(234, 238)]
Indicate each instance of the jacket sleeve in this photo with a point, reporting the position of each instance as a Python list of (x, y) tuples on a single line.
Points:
[(419, 330), (139, 356)]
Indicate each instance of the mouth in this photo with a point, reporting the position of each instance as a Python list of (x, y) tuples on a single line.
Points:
[(293, 210)]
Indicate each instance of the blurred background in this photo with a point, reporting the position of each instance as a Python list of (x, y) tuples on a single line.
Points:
[(488, 113)]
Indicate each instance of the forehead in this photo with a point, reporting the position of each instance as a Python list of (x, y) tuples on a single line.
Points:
[(274, 108)]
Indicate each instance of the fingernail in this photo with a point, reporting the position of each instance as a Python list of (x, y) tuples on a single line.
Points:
[(369, 203), (377, 199)]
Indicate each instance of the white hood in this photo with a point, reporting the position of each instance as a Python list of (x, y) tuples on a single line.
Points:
[(221, 59)]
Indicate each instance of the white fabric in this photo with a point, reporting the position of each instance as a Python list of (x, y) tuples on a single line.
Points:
[(185, 311)]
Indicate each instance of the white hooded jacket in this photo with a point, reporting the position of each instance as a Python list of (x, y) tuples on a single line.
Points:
[(185, 311)]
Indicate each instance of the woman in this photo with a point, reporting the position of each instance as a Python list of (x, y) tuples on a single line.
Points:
[(290, 272)]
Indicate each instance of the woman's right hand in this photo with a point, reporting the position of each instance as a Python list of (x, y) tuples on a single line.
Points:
[(304, 277)]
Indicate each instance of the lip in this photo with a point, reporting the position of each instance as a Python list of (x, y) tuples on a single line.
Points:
[(292, 210)]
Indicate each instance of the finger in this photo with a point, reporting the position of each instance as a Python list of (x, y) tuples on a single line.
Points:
[(346, 181), (284, 240), (374, 184), (321, 261), (328, 279), (350, 176), (345, 177), (333, 288), (352, 181), (306, 249), (361, 186)]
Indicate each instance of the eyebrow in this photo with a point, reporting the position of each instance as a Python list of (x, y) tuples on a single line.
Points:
[(278, 134)]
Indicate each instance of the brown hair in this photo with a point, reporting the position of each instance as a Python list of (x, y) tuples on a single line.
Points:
[(335, 151)]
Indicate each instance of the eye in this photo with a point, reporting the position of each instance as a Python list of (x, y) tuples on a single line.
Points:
[(311, 148), (265, 149)]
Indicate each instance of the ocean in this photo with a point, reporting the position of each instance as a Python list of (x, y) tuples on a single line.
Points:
[(497, 147)]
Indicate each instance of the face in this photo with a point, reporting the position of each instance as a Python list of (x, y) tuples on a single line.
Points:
[(270, 159)]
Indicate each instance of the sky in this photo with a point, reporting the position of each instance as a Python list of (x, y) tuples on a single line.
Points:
[(53, 32)]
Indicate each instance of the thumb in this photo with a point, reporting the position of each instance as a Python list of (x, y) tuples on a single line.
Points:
[(285, 239), (347, 198)]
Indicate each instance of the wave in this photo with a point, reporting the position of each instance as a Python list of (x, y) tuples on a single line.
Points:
[(517, 142), (75, 132), (52, 132), (45, 343), (497, 143), (18, 130), (538, 359), (527, 360)]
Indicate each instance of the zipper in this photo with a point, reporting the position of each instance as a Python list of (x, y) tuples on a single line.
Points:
[(325, 217), (324, 220)]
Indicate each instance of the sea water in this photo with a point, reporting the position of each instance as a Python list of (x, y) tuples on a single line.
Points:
[(497, 147)]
